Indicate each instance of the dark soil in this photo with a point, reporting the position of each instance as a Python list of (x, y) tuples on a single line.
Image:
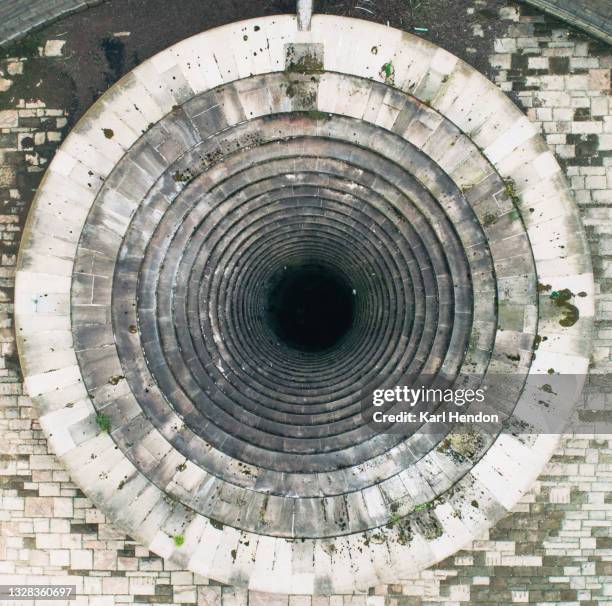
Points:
[(99, 50), (107, 41)]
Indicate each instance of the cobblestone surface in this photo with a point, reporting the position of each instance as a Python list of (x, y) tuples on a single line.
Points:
[(555, 548), (563, 81)]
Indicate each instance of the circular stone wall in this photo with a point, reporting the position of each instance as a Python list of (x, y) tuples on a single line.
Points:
[(199, 195)]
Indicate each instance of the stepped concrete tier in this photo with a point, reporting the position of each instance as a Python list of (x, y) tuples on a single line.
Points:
[(182, 214)]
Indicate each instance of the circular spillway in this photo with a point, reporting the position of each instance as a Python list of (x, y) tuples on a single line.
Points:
[(247, 235)]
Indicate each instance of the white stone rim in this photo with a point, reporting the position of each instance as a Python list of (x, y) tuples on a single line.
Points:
[(420, 68)]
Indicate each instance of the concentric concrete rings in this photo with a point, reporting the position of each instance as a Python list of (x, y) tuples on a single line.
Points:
[(191, 189)]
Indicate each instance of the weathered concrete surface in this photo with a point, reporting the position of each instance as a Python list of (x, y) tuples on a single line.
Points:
[(461, 125), (553, 547)]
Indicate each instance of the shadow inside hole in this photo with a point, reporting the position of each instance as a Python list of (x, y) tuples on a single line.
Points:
[(310, 307)]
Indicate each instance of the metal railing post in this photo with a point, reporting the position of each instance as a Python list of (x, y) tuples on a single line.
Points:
[(304, 14)]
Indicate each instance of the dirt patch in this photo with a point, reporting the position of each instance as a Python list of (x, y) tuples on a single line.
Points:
[(105, 42)]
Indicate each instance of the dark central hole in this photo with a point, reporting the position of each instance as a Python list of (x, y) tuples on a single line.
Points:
[(310, 307)]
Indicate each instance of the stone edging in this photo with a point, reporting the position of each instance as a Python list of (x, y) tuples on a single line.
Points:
[(43, 314)]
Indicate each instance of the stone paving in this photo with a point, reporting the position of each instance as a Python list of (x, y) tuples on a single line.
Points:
[(563, 82), (555, 547)]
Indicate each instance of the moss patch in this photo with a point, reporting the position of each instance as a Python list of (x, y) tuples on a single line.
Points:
[(461, 445), (387, 72), (510, 188), (538, 339), (304, 62), (513, 215), (489, 219), (315, 114), (430, 526), (404, 532), (26, 47), (103, 422), (180, 177), (303, 94), (569, 312)]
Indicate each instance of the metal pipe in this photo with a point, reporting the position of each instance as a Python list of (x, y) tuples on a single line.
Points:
[(304, 14)]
